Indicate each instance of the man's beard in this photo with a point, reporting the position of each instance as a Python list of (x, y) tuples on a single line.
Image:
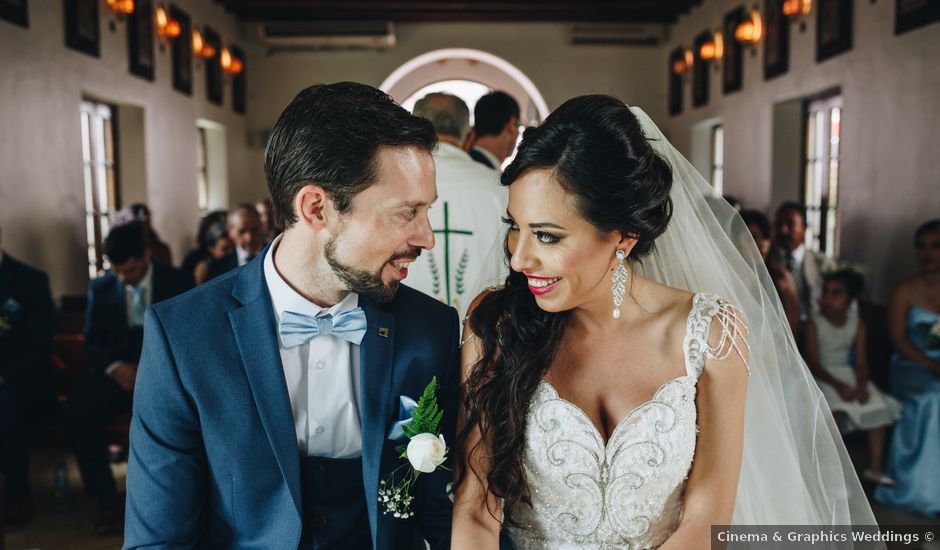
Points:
[(364, 282)]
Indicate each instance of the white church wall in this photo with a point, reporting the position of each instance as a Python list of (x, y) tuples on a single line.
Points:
[(42, 83), (890, 175), (540, 50)]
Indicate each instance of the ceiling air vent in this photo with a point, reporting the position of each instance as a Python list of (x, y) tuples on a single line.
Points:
[(327, 35), (616, 35)]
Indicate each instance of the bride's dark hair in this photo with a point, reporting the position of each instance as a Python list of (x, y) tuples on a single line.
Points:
[(595, 148)]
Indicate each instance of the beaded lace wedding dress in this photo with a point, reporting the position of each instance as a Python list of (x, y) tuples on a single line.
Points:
[(626, 493)]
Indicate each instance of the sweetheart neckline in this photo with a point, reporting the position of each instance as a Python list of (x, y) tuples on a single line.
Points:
[(629, 415), (685, 362)]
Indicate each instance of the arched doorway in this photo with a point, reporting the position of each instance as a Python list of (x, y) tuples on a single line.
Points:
[(469, 67)]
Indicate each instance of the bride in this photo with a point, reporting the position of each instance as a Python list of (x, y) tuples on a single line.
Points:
[(632, 382)]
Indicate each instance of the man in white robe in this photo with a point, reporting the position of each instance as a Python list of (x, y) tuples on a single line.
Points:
[(466, 216)]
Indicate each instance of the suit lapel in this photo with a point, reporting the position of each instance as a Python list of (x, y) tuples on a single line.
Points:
[(256, 336), (375, 365)]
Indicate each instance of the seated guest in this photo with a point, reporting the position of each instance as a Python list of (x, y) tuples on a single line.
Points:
[(244, 230), (201, 252), (805, 265), (113, 335), (159, 251), (914, 323), (219, 246), (837, 356), (759, 226), (495, 129), (26, 326), (269, 228)]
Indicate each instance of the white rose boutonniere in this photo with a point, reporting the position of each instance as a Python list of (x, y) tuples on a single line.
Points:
[(425, 452)]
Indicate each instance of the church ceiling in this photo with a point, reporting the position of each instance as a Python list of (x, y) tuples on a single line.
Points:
[(610, 11)]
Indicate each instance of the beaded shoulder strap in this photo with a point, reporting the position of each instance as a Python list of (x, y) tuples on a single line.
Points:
[(707, 308)]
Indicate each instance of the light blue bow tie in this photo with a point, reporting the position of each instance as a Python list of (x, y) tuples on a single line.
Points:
[(297, 328)]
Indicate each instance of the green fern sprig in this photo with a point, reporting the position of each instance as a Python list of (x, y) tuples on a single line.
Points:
[(426, 417)]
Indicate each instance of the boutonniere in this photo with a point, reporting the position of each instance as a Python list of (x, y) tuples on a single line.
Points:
[(424, 452)]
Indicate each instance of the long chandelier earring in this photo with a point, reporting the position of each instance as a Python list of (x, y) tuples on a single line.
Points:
[(619, 280)]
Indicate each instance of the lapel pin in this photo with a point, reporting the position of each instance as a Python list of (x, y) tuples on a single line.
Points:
[(383, 332)]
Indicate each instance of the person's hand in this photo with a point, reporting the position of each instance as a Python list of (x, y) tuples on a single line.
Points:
[(125, 374), (861, 394), (846, 392)]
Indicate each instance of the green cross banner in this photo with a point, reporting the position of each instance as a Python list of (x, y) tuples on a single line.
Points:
[(447, 231)]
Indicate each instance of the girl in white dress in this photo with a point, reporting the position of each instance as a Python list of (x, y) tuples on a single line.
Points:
[(836, 349)]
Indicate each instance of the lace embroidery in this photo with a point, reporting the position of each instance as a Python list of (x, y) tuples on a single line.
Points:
[(628, 492), (733, 336)]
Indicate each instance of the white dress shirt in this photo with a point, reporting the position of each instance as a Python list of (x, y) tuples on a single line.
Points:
[(322, 375)]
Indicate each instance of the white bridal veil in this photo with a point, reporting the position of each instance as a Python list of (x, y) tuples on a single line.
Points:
[(795, 468)]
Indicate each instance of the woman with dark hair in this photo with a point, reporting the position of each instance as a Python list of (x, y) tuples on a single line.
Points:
[(201, 252), (219, 246), (914, 325), (606, 361)]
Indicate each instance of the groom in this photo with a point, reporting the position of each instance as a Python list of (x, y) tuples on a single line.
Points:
[(264, 399)]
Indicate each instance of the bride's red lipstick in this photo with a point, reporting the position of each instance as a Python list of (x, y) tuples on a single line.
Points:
[(542, 290)]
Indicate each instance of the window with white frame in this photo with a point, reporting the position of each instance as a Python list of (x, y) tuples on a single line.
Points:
[(202, 170), (821, 173), (718, 157), (100, 178)]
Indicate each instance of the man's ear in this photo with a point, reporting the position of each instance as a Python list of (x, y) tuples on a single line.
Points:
[(311, 205)]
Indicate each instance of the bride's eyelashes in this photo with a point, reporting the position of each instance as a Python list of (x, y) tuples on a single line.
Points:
[(542, 236), (546, 238)]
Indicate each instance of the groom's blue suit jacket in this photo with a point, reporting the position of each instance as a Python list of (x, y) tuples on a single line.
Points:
[(214, 460)]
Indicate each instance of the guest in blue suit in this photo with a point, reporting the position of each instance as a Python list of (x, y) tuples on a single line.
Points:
[(26, 326), (113, 334), (914, 321), (266, 398)]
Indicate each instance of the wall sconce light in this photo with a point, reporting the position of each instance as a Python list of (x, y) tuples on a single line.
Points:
[(797, 7), (682, 66), (167, 27), (121, 8), (201, 48), (714, 49), (750, 30), (231, 65)]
